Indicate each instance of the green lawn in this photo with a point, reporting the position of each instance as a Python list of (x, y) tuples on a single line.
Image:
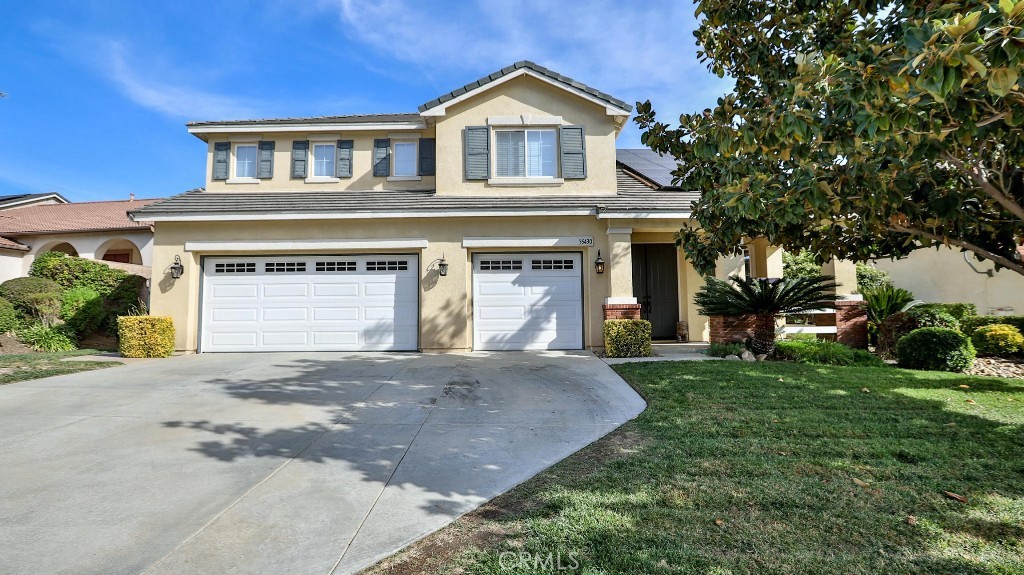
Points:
[(772, 468), (27, 366)]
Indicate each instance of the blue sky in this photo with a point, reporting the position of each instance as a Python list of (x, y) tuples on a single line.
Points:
[(99, 92)]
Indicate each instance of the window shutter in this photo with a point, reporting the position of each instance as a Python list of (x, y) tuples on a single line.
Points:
[(477, 152), (427, 152), (265, 163), (299, 161), (344, 159), (574, 157), (382, 157), (221, 160)]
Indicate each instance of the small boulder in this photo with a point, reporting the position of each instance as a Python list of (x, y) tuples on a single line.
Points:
[(761, 356), (732, 357), (747, 355)]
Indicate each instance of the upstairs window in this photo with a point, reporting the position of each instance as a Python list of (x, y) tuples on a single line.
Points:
[(404, 159), (245, 161), (324, 160), (525, 153)]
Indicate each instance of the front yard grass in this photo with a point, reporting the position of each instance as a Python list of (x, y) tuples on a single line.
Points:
[(769, 468), (27, 366)]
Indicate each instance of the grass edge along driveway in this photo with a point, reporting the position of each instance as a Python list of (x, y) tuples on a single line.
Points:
[(23, 367), (768, 467)]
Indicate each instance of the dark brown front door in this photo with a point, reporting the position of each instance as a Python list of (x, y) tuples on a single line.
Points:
[(656, 287)]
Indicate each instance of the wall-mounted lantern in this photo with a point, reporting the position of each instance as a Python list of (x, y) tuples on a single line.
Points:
[(442, 267), (176, 268), (599, 263)]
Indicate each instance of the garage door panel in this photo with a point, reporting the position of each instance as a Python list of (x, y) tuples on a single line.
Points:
[(497, 312), (499, 287), (329, 303)]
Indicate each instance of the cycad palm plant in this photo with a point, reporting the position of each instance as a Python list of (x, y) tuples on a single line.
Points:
[(765, 299)]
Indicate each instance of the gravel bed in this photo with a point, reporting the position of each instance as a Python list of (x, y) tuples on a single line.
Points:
[(998, 367)]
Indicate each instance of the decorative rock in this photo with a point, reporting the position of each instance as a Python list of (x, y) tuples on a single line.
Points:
[(732, 357), (761, 357), (747, 355), (998, 367)]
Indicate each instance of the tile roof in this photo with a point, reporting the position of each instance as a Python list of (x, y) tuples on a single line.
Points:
[(199, 202), (73, 217), (649, 165), (9, 244), (348, 119), (550, 74), (21, 198)]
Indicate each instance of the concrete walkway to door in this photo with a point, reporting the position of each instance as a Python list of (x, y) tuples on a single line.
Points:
[(280, 463)]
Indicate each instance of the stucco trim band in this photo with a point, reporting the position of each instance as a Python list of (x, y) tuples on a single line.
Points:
[(566, 241), (296, 245)]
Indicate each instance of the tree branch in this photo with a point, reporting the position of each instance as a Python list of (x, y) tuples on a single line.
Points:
[(986, 186), (1005, 262)]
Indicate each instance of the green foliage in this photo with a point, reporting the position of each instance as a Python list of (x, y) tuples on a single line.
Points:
[(121, 291), (856, 130), (724, 349), (801, 337), (935, 349), (970, 324), (10, 319), (958, 310), (33, 297), (886, 300), (824, 352), (627, 338), (934, 317), (765, 299), (145, 336), (891, 330), (800, 265), (871, 278), (47, 338), (998, 339), (82, 310)]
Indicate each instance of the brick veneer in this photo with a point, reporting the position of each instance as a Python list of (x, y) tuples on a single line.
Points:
[(727, 329), (621, 311), (852, 323)]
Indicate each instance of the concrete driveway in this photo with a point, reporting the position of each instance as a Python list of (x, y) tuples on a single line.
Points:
[(280, 463)]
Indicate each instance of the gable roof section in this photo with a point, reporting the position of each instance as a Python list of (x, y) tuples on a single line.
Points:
[(14, 200), (438, 104), (649, 165), (71, 218)]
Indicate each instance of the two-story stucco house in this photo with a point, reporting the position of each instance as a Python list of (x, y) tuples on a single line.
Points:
[(494, 218)]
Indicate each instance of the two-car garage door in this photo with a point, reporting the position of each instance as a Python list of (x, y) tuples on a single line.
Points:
[(315, 303)]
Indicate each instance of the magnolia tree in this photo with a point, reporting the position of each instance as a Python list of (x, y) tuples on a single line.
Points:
[(856, 129)]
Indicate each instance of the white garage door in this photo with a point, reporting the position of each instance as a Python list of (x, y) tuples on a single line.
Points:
[(527, 301), (317, 303)]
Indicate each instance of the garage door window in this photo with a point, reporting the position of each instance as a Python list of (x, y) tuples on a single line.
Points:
[(552, 264), (285, 267), (235, 268), (335, 266), (387, 266), (496, 265)]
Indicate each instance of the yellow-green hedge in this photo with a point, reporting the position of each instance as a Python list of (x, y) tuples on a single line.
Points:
[(145, 335), (627, 338)]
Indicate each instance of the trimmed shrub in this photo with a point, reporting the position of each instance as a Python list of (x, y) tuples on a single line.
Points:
[(69, 272), (33, 297), (932, 317), (998, 339), (900, 324), (970, 324), (724, 349), (825, 352), (870, 278), (47, 338), (10, 319), (960, 311), (935, 349), (82, 310), (146, 336), (627, 338)]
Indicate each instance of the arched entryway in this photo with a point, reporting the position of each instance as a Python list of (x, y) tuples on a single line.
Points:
[(64, 248), (120, 250)]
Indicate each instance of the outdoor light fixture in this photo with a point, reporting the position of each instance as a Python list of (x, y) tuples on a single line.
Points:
[(442, 267), (599, 263), (176, 268)]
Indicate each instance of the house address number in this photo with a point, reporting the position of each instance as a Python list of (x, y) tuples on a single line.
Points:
[(586, 241)]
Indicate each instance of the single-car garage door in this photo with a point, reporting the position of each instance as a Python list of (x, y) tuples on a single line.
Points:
[(316, 303), (527, 301)]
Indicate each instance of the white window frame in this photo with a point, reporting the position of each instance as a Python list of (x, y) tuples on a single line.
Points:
[(525, 180), (234, 177), (415, 177), (311, 160)]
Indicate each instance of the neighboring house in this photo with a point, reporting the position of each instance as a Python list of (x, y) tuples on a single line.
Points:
[(943, 275), (94, 230), (498, 216), (25, 200)]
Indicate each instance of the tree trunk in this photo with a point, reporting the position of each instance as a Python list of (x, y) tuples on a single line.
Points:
[(763, 340)]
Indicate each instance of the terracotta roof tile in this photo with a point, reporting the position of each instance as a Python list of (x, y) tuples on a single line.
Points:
[(9, 244), (74, 217)]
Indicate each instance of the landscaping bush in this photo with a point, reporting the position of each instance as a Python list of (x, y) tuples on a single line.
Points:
[(724, 349), (33, 297), (960, 311), (998, 339), (82, 310), (627, 338), (153, 336), (970, 324), (825, 352), (10, 319), (47, 338), (870, 278), (935, 349), (900, 324), (934, 317), (68, 272)]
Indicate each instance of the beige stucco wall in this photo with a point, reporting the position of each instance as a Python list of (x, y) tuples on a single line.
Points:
[(943, 276), (362, 162), (526, 95)]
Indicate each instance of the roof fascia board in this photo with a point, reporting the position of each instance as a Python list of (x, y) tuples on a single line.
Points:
[(300, 127), (297, 245), (361, 215), (641, 215), (12, 203)]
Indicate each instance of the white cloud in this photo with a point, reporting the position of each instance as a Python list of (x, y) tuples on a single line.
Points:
[(635, 51)]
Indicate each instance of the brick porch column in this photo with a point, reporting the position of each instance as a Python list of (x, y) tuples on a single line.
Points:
[(852, 323)]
